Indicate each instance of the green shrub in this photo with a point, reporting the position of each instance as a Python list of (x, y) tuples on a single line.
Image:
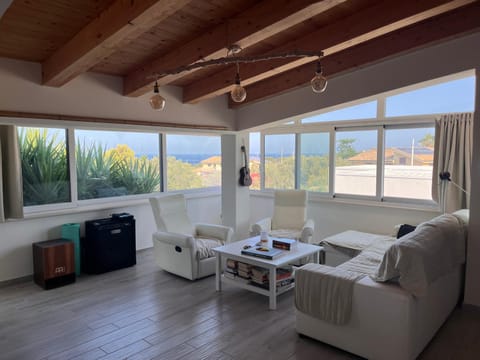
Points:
[(44, 167)]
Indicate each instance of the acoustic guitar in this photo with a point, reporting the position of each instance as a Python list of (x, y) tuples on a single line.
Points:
[(245, 179)]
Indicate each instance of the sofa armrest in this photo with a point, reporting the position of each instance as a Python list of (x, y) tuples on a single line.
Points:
[(220, 232), (184, 241), (262, 225), (307, 231)]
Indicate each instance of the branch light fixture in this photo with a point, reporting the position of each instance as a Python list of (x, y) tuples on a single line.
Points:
[(238, 92)]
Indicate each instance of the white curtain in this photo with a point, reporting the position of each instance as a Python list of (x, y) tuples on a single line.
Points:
[(11, 191), (453, 154)]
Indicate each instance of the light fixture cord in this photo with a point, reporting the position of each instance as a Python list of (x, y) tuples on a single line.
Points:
[(237, 76)]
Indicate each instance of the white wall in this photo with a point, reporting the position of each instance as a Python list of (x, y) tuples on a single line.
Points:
[(16, 237), (100, 96), (334, 216)]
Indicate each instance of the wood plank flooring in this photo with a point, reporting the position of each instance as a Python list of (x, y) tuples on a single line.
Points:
[(145, 313)]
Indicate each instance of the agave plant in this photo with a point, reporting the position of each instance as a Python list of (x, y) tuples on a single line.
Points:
[(137, 175), (44, 167), (94, 170)]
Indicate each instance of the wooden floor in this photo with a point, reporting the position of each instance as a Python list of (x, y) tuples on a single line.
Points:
[(145, 313)]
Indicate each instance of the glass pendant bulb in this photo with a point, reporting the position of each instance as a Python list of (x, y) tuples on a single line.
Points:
[(319, 81), (238, 93), (157, 102)]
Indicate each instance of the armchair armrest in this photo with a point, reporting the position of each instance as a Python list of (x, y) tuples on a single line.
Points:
[(307, 231), (262, 225), (220, 232), (184, 241)]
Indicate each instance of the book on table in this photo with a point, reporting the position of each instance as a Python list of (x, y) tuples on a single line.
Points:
[(262, 252), (283, 243)]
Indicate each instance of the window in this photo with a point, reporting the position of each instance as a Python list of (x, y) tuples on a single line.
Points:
[(193, 162), (254, 160), (314, 161), (447, 97), (408, 163), (356, 162), (280, 161), (362, 111), (117, 163), (44, 166)]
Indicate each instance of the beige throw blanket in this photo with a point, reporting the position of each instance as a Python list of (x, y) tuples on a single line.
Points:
[(417, 259), (325, 292)]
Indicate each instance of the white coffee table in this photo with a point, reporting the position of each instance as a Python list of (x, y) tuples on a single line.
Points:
[(233, 251)]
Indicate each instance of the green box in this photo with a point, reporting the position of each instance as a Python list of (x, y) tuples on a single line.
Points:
[(72, 232)]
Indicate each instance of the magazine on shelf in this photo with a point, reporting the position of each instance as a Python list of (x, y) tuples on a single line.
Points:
[(262, 252)]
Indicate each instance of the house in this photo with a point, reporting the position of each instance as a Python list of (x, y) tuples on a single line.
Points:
[(91, 65), (396, 156)]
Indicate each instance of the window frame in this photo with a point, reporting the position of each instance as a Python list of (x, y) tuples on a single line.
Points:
[(294, 125), (107, 202)]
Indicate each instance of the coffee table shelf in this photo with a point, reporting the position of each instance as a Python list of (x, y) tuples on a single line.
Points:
[(233, 251)]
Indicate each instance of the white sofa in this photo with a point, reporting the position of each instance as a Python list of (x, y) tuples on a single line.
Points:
[(386, 320)]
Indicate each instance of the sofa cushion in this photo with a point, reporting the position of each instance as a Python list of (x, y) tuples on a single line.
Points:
[(405, 229), (422, 256)]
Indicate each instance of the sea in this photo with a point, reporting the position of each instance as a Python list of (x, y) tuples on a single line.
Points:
[(193, 159)]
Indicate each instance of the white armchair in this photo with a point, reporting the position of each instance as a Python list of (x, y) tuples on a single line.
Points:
[(289, 217), (183, 248)]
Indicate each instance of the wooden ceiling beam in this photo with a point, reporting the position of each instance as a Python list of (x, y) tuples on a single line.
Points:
[(455, 23), (255, 24), (375, 21), (118, 25)]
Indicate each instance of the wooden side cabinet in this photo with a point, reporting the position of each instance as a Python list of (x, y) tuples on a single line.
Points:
[(53, 263)]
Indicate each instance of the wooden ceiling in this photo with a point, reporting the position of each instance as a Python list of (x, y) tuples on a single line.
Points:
[(136, 39)]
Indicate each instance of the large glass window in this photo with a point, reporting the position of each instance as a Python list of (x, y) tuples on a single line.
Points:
[(280, 161), (356, 162), (254, 160), (447, 97), (362, 111), (193, 162), (116, 163), (314, 162), (44, 166), (409, 163)]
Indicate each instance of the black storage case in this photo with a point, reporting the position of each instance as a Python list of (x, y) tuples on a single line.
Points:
[(109, 244)]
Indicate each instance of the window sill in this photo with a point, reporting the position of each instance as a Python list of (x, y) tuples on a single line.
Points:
[(108, 204), (325, 198)]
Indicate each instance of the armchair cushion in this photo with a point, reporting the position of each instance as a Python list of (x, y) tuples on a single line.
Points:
[(290, 209), (170, 214), (205, 246), (286, 233), (218, 232)]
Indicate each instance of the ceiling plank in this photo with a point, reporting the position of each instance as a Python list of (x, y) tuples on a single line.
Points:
[(455, 23), (247, 28), (383, 18), (119, 24)]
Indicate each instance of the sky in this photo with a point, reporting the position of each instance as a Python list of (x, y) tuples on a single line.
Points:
[(453, 96)]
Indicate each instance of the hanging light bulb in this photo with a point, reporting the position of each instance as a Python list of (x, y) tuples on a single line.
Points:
[(157, 102), (319, 81), (238, 93)]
